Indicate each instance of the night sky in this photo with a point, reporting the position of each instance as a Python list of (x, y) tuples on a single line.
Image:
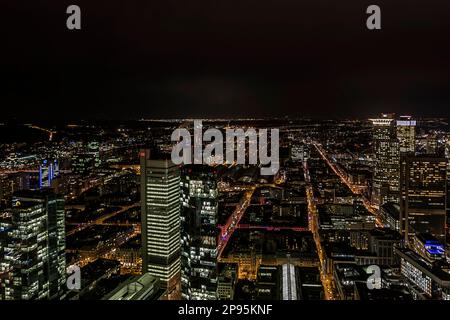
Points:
[(211, 58)]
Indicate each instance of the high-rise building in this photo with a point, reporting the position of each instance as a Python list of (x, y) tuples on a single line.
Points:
[(423, 195), (406, 134), (83, 163), (447, 156), (387, 161), (48, 170), (199, 233), (34, 249), (160, 207), (447, 146), (5, 226)]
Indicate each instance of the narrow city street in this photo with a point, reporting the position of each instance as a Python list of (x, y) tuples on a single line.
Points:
[(313, 219)]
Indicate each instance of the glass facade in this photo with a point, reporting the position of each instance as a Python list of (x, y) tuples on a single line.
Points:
[(387, 161), (160, 196), (423, 206), (406, 134), (34, 251), (199, 233)]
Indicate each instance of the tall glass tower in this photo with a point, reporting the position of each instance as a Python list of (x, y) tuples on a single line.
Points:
[(34, 249), (386, 179), (199, 233), (406, 134), (160, 205), (423, 205)]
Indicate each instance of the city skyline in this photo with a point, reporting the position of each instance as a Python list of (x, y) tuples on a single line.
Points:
[(349, 198), (225, 158)]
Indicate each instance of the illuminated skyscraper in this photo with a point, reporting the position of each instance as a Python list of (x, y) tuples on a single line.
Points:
[(35, 246), (48, 170), (423, 189), (5, 227), (447, 156), (387, 160), (199, 233), (406, 134), (447, 146), (87, 160), (160, 205)]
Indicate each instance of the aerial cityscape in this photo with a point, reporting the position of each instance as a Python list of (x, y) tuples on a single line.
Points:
[(217, 159), (357, 210)]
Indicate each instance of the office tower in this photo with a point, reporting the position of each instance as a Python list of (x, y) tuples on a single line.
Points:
[(447, 156), (447, 145), (160, 207), (423, 201), (83, 163), (44, 175), (55, 168), (35, 246), (387, 161), (48, 170), (406, 134), (199, 233), (5, 226)]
